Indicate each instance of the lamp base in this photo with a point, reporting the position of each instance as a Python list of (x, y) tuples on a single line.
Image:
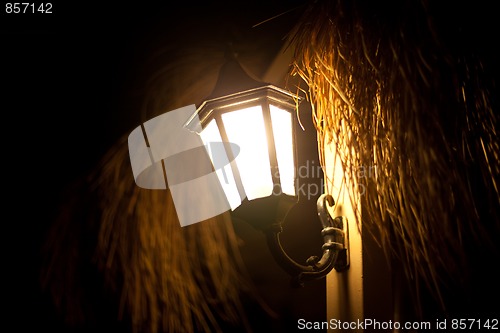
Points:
[(267, 215)]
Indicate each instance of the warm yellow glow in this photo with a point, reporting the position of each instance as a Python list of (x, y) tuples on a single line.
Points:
[(345, 298), (246, 129), (211, 135), (283, 139)]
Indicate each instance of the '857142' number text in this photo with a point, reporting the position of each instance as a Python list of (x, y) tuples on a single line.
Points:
[(28, 8)]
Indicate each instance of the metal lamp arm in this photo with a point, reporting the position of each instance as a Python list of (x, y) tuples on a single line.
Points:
[(334, 247)]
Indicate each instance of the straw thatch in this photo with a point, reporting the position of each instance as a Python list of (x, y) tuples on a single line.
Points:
[(168, 278), (406, 88)]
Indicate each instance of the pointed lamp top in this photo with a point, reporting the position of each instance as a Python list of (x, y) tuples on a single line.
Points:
[(233, 79)]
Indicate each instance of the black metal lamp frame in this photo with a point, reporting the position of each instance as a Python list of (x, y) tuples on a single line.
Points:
[(234, 90)]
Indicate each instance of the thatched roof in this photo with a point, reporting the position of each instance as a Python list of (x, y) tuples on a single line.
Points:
[(408, 88)]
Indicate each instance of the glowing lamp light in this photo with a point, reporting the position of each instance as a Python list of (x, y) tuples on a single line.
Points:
[(258, 120)]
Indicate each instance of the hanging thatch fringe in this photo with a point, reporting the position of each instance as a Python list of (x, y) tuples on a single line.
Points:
[(179, 277), (399, 91)]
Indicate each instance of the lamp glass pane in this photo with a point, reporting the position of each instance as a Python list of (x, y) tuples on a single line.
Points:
[(246, 129), (213, 143), (283, 139)]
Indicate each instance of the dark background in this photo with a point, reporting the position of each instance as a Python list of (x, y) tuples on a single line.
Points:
[(72, 84)]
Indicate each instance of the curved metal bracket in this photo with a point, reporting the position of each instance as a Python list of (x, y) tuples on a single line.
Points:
[(335, 247)]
